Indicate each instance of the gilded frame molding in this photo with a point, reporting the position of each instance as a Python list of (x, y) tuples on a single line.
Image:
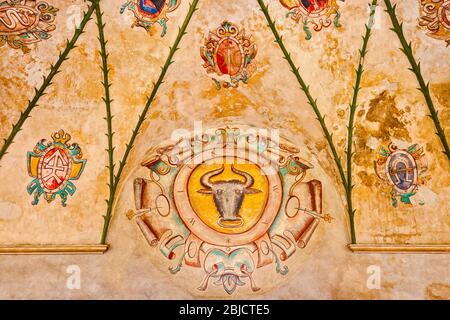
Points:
[(88, 249), (400, 248)]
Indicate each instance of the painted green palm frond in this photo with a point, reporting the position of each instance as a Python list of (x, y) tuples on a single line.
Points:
[(305, 88), (352, 111), (143, 115), (347, 184), (107, 100), (47, 81), (424, 87)]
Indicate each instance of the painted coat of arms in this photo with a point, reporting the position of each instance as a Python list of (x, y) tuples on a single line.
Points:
[(435, 17), (54, 165), (149, 12), (403, 170), (228, 54), (229, 203), (316, 13), (23, 22)]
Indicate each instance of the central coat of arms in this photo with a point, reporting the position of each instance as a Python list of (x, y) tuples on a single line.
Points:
[(228, 203)]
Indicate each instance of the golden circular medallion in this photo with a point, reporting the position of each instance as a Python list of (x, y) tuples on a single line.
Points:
[(229, 198)]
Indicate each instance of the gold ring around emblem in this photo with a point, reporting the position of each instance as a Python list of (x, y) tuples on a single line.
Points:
[(220, 235)]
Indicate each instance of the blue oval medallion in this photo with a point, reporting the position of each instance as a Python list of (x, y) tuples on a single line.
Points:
[(402, 171), (152, 7)]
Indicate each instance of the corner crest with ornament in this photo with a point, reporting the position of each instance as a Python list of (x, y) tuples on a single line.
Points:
[(24, 22), (54, 166)]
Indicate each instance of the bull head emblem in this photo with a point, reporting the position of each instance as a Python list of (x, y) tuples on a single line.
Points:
[(228, 195)]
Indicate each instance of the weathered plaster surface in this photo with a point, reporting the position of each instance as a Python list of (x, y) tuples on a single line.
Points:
[(391, 109)]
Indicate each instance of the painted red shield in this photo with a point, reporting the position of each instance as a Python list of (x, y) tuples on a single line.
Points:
[(314, 6), (54, 169), (229, 57)]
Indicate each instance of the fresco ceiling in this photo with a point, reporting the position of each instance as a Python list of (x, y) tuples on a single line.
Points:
[(227, 148)]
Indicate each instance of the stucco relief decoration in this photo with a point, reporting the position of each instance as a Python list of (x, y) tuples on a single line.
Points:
[(149, 12), (315, 14), (54, 165), (23, 22), (228, 55), (435, 17), (403, 171), (229, 203)]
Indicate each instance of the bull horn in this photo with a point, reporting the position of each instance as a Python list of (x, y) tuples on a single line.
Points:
[(249, 180), (205, 180)]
